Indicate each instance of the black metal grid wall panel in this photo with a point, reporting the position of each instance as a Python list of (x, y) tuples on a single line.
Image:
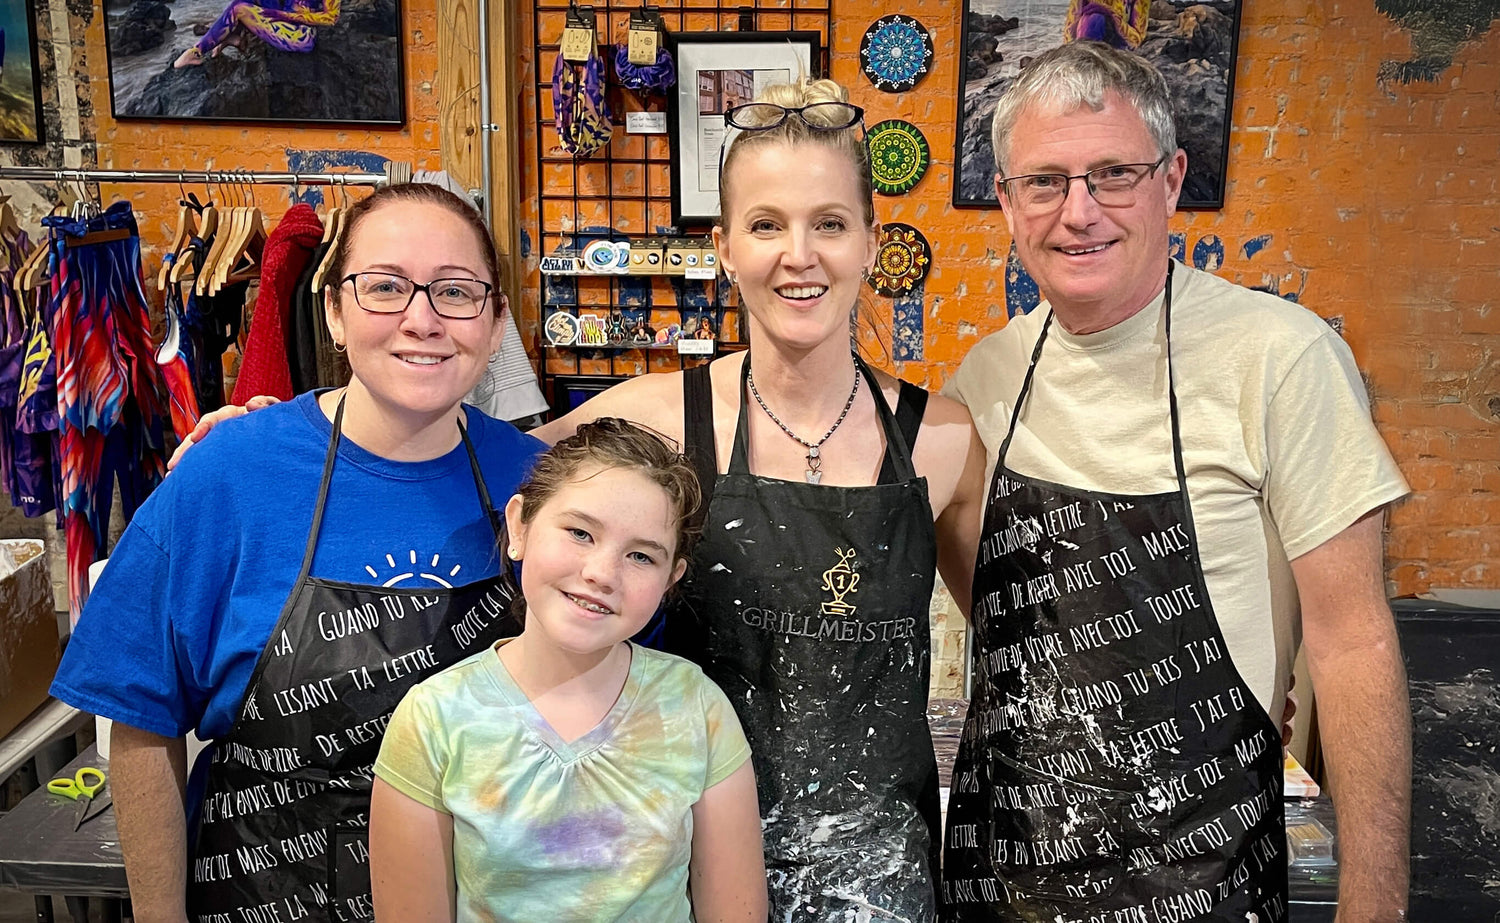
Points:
[(623, 192)]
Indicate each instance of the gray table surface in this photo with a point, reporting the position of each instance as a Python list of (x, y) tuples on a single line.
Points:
[(41, 853)]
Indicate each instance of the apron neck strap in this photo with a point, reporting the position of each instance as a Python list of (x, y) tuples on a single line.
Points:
[(1036, 354), (490, 514), (895, 441)]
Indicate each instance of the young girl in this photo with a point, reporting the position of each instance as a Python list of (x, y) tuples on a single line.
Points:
[(568, 774)]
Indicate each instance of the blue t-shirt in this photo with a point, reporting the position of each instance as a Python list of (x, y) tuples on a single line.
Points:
[(187, 602)]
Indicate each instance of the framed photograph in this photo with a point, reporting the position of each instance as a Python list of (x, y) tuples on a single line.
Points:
[(1192, 43), (221, 60), (715, 71), (20, 83)]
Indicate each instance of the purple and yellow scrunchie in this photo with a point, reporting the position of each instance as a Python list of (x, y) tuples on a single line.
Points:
[(580, 112)]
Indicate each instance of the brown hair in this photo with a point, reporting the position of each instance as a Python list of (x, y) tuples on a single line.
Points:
[(424, 193), (610, 442), (793, 130)]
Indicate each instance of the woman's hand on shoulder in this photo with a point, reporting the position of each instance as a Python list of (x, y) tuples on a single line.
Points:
[(208, 421)]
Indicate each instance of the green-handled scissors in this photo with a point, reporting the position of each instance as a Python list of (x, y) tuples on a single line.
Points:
[(84, 785)]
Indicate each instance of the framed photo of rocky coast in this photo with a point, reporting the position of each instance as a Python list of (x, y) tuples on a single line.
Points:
[(20, 88), (1193, 42), (337, 61)]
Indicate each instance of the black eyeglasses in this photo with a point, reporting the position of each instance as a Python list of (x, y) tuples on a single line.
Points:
[(826, 116), (752, 117), (1113, 186), (389, 293)]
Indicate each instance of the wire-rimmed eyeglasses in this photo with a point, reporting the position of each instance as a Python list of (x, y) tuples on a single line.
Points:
[(390, 293), (1113, 186)]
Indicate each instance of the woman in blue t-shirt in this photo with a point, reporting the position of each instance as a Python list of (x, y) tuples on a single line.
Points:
[(296, 575)]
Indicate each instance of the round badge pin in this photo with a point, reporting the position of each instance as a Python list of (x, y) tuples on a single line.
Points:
[(895, 53), (901, 261), (898, 156)]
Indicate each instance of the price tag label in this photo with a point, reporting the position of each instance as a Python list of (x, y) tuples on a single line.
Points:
[(688, 347), (577, 44), (642, 45), (700, 272)]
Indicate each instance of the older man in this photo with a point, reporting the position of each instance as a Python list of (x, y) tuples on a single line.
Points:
[(1185, 482)]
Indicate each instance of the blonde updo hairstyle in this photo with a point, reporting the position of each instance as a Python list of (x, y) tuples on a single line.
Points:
[(794, 131)]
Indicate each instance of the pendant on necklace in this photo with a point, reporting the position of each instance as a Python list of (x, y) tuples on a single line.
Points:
[(814, 462), (814, 477)]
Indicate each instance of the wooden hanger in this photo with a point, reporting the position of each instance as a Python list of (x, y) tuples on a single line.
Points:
[(29, 276), (183, 268), (333, 229), (187, 226), (243, 256), (221, 240), (9, 225)]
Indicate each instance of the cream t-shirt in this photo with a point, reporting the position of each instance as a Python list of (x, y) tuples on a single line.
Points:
[(1278, 446)]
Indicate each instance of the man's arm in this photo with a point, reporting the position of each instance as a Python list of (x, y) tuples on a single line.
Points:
[(148, 778), (959, 525), (1364, 716)]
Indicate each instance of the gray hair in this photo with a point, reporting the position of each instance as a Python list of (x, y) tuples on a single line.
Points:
[(1079, 74)]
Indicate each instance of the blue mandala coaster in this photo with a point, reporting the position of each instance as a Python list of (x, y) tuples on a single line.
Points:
[(895, 53), (898, 156)]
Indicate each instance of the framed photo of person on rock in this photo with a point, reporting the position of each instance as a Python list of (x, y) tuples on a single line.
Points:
[(20, 88), (256, 60), (1192, 42)]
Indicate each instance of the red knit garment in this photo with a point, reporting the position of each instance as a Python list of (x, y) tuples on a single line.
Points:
[(264, 368)]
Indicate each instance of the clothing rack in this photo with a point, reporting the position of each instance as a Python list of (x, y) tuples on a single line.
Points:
[(395, 172)]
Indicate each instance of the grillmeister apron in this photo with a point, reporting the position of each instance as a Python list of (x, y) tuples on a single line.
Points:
[(284, 825), (807, 604), (1114, 767)]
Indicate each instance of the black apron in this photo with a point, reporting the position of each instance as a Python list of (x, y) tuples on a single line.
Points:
[(808, 606), (1114, 767), (284, 826)]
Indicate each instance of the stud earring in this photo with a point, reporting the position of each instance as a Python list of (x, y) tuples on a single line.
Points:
[(514, 552)]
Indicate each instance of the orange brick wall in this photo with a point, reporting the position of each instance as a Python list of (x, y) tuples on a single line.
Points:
[(1374, 204)]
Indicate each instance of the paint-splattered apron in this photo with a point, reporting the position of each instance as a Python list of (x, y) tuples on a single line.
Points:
[(1114, 767), (284, 826), (808, 606)]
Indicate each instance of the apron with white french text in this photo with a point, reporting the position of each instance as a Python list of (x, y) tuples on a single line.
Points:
[(808, 605), (284, 825), (1114, 766)]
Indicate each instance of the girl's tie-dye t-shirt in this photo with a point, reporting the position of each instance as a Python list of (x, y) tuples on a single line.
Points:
[(544, 830)]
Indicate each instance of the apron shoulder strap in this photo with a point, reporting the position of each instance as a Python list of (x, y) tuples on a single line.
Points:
[(698, 433), (910, 408)]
